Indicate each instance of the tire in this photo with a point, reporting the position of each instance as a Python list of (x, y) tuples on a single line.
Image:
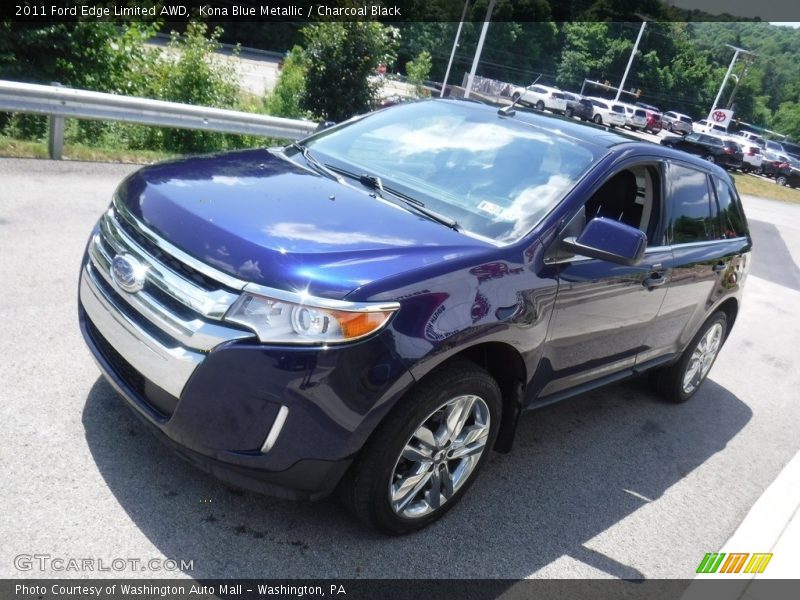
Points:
[(540, 105), (780, 180), (515, 96), (568, 112), (710, 158), (411, 445), (761, 170), (597, 119), (674, 383), (669, 127)]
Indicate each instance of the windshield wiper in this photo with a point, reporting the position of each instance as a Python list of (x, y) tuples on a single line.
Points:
[(374, 182), (312, 160)]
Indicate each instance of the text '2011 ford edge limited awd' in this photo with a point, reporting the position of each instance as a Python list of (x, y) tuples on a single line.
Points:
[(374, 307)]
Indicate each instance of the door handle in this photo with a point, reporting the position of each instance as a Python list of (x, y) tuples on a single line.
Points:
[(655, 280), (719, 267)]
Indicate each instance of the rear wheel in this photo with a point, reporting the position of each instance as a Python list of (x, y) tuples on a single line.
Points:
[(540, 105), (598, 119), (427, 452), (710, 158), (780, 180), (679, 382), (568, 112), (515, 96)]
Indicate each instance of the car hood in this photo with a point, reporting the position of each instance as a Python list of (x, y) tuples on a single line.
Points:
[(260, 217)]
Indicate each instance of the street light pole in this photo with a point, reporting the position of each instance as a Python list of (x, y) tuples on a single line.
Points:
[(479, 49), (728, 73), (453, 52), (630, 61)]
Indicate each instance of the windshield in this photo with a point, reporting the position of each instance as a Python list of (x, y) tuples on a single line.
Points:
[(497, 177)]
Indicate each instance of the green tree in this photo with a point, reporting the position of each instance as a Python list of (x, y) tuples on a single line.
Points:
[(418, 71), (340, 58), (190, 72), (284, 100)]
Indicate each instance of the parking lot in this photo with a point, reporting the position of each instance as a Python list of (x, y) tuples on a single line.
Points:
[(613, 483)]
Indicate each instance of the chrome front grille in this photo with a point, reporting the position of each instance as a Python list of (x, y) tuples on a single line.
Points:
[(166, 328)]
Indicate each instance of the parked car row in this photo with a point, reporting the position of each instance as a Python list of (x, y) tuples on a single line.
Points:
[(744, 150)]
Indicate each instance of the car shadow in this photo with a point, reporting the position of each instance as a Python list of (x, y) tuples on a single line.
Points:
[(578, 468)]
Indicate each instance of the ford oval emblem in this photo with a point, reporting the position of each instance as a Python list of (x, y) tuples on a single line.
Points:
[(128, 273)]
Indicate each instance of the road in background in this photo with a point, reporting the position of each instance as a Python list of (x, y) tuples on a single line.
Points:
[(613, 483)]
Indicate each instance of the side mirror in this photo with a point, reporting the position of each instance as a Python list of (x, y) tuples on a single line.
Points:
[(609, 240), (324, 125)]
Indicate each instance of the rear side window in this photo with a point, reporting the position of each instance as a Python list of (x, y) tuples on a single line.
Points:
[(690, 207), (732, 223), (618, 109), (640, 113), (686, 119), (558, 95)]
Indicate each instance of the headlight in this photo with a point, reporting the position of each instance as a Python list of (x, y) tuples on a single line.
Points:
[(308, 320)]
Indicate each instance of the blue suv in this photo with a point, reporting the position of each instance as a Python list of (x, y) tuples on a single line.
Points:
[(370, 310)]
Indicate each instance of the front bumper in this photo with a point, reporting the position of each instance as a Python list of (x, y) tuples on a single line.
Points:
[(218, 408)]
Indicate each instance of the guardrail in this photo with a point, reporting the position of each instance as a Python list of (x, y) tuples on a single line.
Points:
[(59, 102)]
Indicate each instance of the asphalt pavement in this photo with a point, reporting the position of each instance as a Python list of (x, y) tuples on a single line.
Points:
[(613, 483)]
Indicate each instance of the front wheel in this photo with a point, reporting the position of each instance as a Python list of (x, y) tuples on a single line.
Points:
[(427, 452), (515, 97), (540, 105), (598, 119), (568, 112), (781, 180), (710, 158), (679, 382)]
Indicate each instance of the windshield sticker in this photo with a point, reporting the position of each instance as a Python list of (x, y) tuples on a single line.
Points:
[(490, 207)]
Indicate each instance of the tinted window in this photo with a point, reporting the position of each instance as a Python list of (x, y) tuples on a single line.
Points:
[(691, 219), (640, 113), (732, 223), (557, 95), (538, 90), (618, 109), (686, 119)]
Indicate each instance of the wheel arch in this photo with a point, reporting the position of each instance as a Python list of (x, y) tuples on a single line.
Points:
[(506, 366), (731, 309)]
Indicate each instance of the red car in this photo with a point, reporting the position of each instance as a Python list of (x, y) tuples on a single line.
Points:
[(653, 117)]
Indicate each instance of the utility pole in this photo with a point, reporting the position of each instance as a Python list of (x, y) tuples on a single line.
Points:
[(736, 53), (736, 87), (479, 49), (630, 61), (453, 52)]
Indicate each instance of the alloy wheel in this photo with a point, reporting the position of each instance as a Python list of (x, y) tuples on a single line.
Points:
[(702, 358), (439, 457)]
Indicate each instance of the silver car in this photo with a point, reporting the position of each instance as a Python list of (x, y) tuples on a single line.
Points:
[(676, 122)]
